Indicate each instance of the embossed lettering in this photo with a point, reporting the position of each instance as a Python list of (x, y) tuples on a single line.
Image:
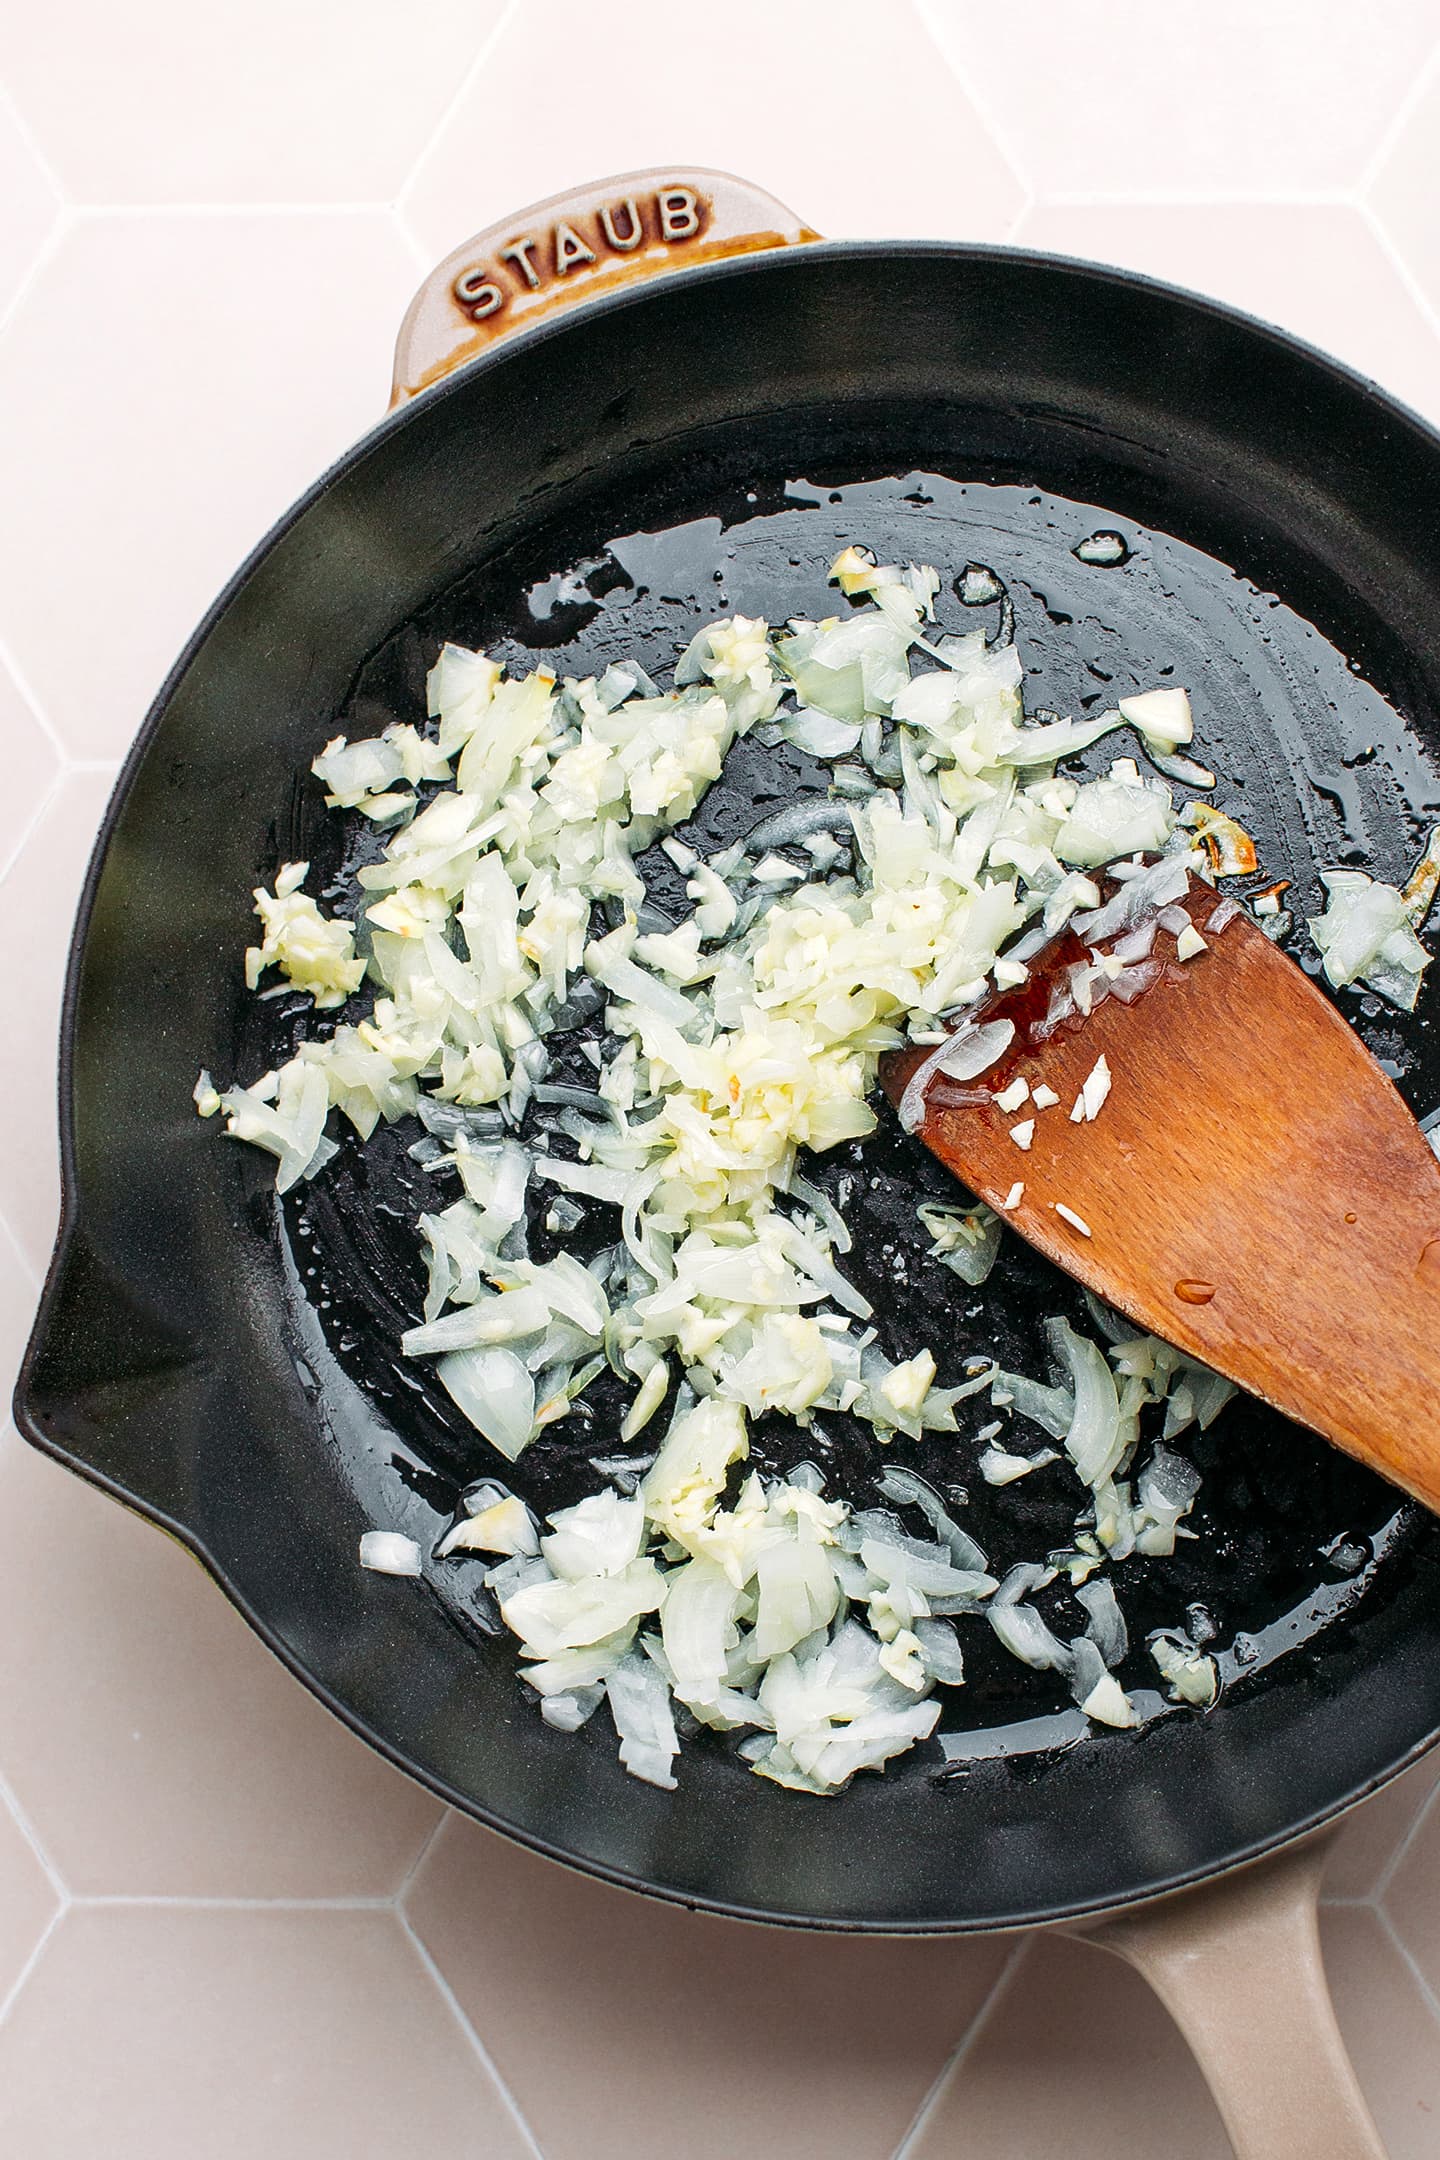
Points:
[(679, 213), (478, 293), (634, 231), (570, 249), (519, 253)]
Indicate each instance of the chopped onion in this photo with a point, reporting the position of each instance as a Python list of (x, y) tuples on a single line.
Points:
[(968, 1052), (506, 1527), (496, 1393), (388, 1553), (1095, 1438), (1025, 1635), (640, 1706), (1365, 934), (1190, 1675), (1106, 1624), (499, 913), (999, 1467)]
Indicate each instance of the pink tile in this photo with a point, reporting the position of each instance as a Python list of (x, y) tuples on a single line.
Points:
[(168, 386), (1077, 2057), (1124, 99), (32, 765), (1372, 1834), (684, 2034), (156, 1745), (162, 101), (1404, 195), (149, 2032), (1318, 271), (41, 888), (1392, 2035), (31, 205), (843, 111), (1412, 1896), (27, 1901), (19, 1295)]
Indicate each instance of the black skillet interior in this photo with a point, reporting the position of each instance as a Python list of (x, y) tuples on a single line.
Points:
[(227, 1363)]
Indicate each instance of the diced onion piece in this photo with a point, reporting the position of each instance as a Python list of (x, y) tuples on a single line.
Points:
[(1096, 1088), (507, 1527), (1023, 1133), (968, 1052), (1108, 1704), (640, 1706), (1025, 1635), (1365, 935), (1094, 1439), (1076, 1222), (1190, 1675), (1163, 717), (652, 1393), (1229, 847), (386, 1552), (999, 1467), (494, 1389)]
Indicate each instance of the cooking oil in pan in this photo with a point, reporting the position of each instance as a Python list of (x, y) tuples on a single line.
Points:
[(1307, 754)]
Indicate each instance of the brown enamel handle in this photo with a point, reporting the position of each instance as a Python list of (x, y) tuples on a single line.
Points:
[(1238, 1966), (572, 246)]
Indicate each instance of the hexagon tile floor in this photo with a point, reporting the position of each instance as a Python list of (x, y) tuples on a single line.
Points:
[(225, 1927)]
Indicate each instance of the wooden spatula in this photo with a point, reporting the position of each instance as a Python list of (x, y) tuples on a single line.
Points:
[(1252, 1188)]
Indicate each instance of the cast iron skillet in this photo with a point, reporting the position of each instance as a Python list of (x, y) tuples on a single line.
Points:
[(591, 486)]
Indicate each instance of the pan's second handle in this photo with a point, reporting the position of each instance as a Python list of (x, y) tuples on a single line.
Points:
[(1238, 1967), (571, 246)]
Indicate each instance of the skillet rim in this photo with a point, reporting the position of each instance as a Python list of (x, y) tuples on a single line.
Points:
[(70, 1233)]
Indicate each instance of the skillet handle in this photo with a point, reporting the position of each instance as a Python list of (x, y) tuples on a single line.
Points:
[(572, 246), (1238, 1966)]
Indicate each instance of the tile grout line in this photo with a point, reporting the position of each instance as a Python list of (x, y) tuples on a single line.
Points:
[(12, 1996), (959, 2054), (1380, 233), (1392, 1866), (1017, 223), (31, 1273), (164, 1901), (922, 13), (483, 51), (1423, 1988), (30, 827), (33, 144), (49, 247), (1400, 120), (1257, 198), (407, 1881), (63, 1899), (17, 673), (101, 213), (482, 2053), (9, 1799)]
